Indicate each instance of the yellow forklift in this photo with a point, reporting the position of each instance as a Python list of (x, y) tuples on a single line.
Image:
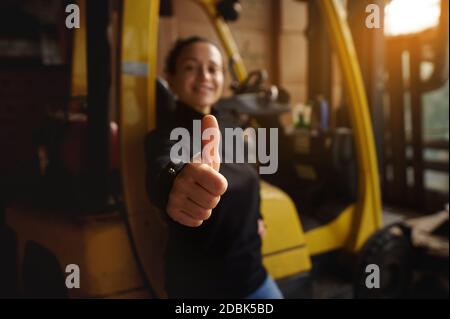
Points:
[(115, 237)]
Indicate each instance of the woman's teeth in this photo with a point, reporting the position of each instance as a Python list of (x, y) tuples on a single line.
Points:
[(202, 89)]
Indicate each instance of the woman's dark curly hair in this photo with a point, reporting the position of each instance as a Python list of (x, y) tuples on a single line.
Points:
[(180, 45)]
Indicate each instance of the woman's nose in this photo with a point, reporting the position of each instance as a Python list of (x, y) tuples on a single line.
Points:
[(203, 73)]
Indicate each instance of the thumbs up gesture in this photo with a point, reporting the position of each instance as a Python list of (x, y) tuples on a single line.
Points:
[(198, 187)]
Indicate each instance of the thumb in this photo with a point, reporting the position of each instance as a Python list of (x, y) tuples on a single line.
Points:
[(211, 141)]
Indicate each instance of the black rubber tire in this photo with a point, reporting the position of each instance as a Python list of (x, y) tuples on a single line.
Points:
[(391, 250)]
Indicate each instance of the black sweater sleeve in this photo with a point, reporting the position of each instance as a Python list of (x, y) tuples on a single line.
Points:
[(160, 171)]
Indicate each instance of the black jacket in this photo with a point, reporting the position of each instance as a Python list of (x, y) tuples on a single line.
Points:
[(222, 257)]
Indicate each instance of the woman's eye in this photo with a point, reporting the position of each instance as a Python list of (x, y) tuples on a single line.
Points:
[(212, 70), (189, 67)]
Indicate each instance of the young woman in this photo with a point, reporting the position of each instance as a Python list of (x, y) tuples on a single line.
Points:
[(212, 208)]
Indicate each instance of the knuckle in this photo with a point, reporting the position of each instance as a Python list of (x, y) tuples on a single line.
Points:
[(172, 213), (204, 214), (203, 169), (223, 185), (220, 185), (212, 201), (197, 223), (208, 214), (193, 222), (215, 201)]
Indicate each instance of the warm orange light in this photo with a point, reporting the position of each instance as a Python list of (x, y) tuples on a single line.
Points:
[(411, 16)]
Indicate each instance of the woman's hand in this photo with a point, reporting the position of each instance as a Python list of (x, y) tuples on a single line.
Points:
[(195, 192), (262, 230), (198, 187)]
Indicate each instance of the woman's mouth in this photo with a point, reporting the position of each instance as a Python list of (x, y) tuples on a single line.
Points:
[(203, 89)]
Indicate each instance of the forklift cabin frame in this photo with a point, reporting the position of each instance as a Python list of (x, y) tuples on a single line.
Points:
[(353, 226)]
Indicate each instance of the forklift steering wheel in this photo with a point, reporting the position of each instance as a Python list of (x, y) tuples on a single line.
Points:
[(253, 82)]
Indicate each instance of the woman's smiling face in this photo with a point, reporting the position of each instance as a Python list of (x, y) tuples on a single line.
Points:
[(198, 79)]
